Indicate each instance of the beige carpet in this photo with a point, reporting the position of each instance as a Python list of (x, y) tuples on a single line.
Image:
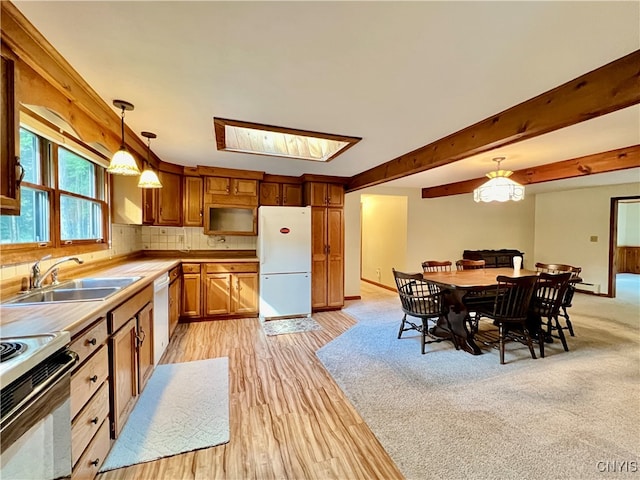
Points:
[(447, 414)]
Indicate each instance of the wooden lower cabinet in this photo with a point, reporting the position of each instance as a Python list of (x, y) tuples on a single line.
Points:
[(89, 402), (144, 345), (124, 374), (175, 297), (220, 290), (217, 294), (327, 258), (131, 354), (191, 291), (93, 457)]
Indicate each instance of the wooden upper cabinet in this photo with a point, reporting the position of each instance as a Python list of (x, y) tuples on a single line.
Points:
[(11, 172), (319, 194), (192, 202), (149, 203), (218, 185), (169, 207), (231, 191), (285, 194)]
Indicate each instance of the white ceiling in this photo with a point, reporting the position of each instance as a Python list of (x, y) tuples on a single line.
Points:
[(399, 74)]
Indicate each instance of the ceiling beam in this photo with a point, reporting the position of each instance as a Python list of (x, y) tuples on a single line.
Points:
[(609, 88), (611, 161)]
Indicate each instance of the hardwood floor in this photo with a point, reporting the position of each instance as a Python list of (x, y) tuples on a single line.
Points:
[(288, 418)]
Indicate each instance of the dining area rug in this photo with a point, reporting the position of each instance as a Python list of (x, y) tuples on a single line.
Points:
[(184, 407)]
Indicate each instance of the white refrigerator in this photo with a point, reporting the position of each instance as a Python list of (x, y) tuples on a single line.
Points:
[(284, 251)]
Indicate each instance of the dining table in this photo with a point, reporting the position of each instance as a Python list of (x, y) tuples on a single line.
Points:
[(458, 284)]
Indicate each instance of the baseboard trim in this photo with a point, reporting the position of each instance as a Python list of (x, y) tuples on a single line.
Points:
[(379, 285), (353, 297)]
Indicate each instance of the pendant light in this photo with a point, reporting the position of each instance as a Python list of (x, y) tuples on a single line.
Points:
[(122, 162), (149, 179), (499, 188)]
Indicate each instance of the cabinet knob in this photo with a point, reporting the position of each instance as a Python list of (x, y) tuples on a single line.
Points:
[(95, 462), (92, 341), (94, 420), (94, 379)]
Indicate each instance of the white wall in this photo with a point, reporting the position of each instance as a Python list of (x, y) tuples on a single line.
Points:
[(441, 228), (629, 224), (566, 221), (384, 219)]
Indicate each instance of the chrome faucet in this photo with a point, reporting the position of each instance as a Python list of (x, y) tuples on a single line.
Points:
[(37, 279)]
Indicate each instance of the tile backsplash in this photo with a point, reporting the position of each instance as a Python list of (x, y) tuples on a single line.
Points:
[(186, 239), (127, 239)]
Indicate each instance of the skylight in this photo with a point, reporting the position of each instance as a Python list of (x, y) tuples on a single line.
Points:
[(258, 139)]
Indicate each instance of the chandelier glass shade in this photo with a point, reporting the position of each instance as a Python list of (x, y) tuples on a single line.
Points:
[(149, 178), (499, 188), (122, 162)]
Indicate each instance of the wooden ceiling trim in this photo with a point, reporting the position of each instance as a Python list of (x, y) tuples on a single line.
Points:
[(611, 87), (611, 161)]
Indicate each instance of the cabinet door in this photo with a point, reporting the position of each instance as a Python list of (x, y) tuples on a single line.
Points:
[(244, 187), (291, 195), (145, 345), (217, 294), (245, 293), (270, 193), (317, 194), (335, 251), (318, 257), (191, 295), (124, 374), (169, 206), (218, 185), (9, 137), (335, 195), (149, 203), (192, 202), (174, 305)]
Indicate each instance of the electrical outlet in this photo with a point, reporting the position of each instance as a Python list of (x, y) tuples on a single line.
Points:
[(163, 231)]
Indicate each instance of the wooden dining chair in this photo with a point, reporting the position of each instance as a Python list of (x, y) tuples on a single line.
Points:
[(510, 311), (436, 266), (423, 300), (569, 292), (546, 303), (465, 264)]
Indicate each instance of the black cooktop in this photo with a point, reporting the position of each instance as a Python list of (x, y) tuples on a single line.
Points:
[(9, 350)]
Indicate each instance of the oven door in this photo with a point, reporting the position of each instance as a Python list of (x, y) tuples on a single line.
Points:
[(36, 433)]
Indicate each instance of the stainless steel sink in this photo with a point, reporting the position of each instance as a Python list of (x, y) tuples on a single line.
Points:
[(80, 290), (119, 282), (63, 295)]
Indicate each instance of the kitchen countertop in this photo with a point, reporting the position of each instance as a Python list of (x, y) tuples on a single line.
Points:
[(20, 320)]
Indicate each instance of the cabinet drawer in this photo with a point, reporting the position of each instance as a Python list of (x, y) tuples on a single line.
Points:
[(174, 273), (87, 379), (88, 421), (190, 268), (248, 267), (93, 457), (90, 341), (122, 314)]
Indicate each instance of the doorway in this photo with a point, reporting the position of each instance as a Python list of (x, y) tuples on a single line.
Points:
[(614, 226)]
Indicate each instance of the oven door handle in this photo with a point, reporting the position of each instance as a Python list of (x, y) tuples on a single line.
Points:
[(40, 390)]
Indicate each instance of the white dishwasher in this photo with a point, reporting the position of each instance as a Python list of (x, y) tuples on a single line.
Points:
[(160, 316)]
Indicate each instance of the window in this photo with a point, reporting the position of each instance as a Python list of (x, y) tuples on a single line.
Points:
[(62, 198)]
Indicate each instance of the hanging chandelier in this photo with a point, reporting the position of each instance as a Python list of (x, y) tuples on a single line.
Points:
[(149, 178), (499, 188), (122, 162)]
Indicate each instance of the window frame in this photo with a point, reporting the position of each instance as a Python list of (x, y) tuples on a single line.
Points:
[(50, 140)]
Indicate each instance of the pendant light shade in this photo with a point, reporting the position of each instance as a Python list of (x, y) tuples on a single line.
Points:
[(122, 162), (499, 188), (149, 179)]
